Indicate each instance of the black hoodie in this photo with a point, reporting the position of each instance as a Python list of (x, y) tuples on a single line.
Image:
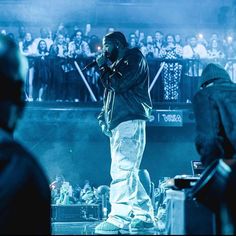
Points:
[(215, 113)]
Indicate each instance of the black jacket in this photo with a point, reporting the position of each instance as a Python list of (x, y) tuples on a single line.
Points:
[(24, 193), (126, 95), (215, 113)]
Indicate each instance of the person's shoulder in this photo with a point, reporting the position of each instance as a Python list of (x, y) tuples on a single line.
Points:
[(201, 47), (84, 42), (134, 54), (18, 158), (134, 51), (36, 40), (210, 92), (15, 150), (187, 46)]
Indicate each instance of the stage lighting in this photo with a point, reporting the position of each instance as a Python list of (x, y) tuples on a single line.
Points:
[(200, 36), (229, 38)]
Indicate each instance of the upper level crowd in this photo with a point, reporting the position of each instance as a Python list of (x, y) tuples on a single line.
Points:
[(53, 74)]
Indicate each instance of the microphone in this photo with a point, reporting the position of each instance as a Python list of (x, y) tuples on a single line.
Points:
[(94, 63), (90, 65)]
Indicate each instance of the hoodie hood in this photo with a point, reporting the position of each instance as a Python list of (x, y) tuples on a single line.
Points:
[(213, 72)]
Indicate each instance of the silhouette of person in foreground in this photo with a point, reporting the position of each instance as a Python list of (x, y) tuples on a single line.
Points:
[(24, 188)]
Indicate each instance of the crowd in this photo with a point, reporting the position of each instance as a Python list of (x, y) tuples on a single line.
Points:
[(63, 192), (53, 75)]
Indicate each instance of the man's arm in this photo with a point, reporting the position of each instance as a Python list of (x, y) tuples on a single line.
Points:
[(130, 72), (127, 74), (101, 118)]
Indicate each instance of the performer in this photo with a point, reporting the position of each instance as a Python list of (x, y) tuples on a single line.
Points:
[(24, 188), (127, 107)]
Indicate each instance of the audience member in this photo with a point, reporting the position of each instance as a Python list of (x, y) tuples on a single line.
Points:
[(44, 35), (26, 49), (193, 52), (82, 48), (171, 73), (42, 71), (58, 62)]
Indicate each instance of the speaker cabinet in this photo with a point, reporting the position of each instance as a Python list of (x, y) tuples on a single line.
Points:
[(186, 216)]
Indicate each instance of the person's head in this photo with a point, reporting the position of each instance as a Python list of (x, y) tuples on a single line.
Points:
[(60, 39), (193, 41), (170, 39), (78, 36), (214, 44), (88, 28), (141, 36), (44, 33), (13, 69), (132, 36), (149, 39), (21, 31), (213, 72), (113, 43), (137, 32), (132, 43), (28, 37), (178, 39), (214, 36), (42, 46), (159, 36)]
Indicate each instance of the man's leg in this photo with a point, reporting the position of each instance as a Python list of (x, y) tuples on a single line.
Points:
[(127, 194)]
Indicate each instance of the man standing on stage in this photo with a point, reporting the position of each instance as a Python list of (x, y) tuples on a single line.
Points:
[(127, 107)]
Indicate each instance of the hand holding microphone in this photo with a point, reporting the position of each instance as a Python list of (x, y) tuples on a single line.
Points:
[(101, 60)]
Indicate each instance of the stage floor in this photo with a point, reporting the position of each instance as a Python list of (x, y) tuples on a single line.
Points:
[(79, 228), (74, 228)]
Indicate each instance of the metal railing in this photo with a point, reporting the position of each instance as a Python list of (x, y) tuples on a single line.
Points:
[(188, 68)]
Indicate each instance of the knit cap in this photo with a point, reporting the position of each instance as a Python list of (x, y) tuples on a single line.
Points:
[(116, 35)]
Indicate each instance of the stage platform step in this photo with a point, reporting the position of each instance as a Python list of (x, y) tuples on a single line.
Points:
[(74, 228), (64, 104), (164, 114)]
